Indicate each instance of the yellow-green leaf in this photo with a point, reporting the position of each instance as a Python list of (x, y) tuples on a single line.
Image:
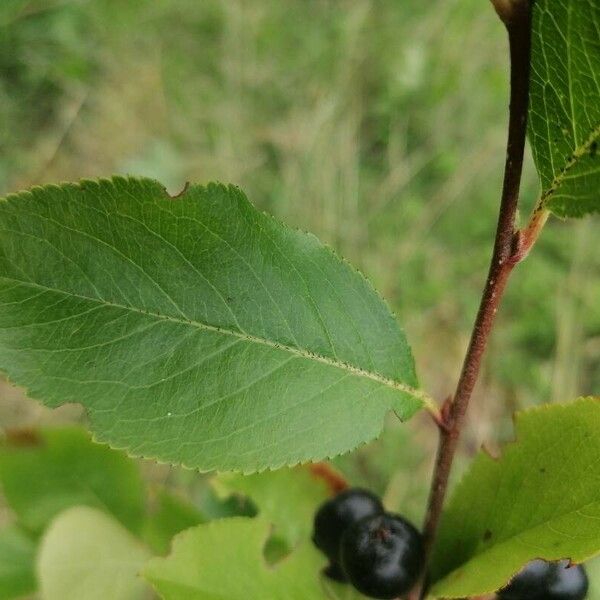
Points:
[(540, 499), (223, 560)]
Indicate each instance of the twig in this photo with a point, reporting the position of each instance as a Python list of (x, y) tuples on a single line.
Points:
[(334, 481), (517, 18)]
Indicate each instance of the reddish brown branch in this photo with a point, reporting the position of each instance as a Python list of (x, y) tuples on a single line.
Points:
[(334, 480), (505, 256)]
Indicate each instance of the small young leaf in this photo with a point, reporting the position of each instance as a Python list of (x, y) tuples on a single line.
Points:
[(287, 498), (200, 566), (195, 330), (17, 552), (43, 473), (564, 114), (541, 499), (87, 554)]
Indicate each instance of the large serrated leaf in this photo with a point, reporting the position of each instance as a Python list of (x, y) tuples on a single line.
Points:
[(195, 330), (564, 114), (541, 499)]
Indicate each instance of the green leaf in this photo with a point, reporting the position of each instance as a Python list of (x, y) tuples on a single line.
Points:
[(564, 114), (541, 499), (195, 330), (200, 566), (214, 507), (42, 473), (171, 515), (286, 498), (87, 554), (593, 571), (273, 551), (17, 552)]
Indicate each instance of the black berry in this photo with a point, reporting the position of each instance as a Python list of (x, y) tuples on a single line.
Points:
[(541, 580), (339, 513), (335, 516), (334, 572), (382, 555)]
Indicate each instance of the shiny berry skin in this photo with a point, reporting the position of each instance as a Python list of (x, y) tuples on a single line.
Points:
[(339, 513), (382, 556), (541, 580)]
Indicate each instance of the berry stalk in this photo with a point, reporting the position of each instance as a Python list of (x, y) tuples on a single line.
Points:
[(506, 256)]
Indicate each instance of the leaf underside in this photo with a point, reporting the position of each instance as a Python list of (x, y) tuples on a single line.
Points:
[(541, 499), (195, 330), (564, 116)]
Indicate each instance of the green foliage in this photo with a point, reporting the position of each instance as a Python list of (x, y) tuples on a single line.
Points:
[(541, 499), (17, 551), (287, 498), (338, 115), (171, 515), (214, 507), (335, 121), (565, 104), (42, 473), (196, 329), (272, 554), (87, 554), (200, 566), (593, 571)]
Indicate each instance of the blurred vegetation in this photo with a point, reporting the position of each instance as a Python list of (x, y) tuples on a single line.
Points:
[(377, 124)]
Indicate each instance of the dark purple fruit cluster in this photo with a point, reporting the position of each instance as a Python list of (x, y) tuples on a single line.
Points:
[(542, 580), (379, 553)]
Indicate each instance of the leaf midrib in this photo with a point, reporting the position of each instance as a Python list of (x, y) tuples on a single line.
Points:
[(577, 154), (578, 151), (300, 352)]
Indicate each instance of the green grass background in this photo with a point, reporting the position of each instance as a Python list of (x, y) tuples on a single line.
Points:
[(377, 124)]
